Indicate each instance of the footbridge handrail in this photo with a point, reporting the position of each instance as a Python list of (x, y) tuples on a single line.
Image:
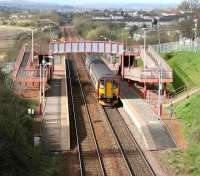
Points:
[(18, 61), (148, 74), (157, 58)]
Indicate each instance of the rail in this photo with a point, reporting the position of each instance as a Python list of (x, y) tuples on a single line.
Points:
[(136, 161), (91, 127), (76, 126), (30, 75)]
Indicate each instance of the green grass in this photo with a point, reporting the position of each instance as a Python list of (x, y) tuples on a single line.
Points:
[(187, 162), (140, 63), (186, 69)]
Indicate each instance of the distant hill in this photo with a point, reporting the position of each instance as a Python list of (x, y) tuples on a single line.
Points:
[(128, 5), (28, 5)]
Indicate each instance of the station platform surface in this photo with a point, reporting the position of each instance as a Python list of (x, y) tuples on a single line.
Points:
[(153, 131), (56, 129)]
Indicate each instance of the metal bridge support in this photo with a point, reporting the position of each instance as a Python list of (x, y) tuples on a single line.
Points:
[(165, 89), (122, 66), (145, 90)]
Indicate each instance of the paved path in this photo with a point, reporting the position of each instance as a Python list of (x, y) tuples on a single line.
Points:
[(153, 131), (56, 128)]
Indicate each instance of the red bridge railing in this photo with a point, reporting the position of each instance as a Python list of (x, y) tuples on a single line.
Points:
[(18, 61)]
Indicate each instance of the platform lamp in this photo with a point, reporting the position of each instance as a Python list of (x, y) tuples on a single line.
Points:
[(43, 85), (32, 29), (195, 33), (144, 53)]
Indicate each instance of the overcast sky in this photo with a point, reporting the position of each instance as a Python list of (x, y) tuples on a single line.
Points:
[(75, 2)]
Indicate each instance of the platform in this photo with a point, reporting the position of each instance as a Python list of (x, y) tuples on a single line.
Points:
[(56, 129), (153, 131)]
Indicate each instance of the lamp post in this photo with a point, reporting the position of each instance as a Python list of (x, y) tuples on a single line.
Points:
[(145, 86), (160, 73), (32, 29), (195, 33), (40, 89), (158, 28), (50, 32), (43, 82), (160, 90)]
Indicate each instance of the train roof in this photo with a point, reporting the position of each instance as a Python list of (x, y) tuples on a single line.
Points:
[(101, 70)]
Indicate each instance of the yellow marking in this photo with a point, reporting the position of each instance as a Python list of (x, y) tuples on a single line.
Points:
[(101, 91), (108, 89)]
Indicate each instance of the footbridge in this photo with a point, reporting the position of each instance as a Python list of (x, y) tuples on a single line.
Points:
[(155, 65)]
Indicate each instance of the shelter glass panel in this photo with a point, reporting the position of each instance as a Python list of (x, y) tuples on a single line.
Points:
[(94, 47), (88, 47), (108, 47), (101, 47), (114, 48), (74, 47), (61, 47), (55, 47), (121, 48), (81, 47), (68, 48)]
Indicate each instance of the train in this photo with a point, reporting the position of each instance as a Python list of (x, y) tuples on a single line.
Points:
[(107, 85)]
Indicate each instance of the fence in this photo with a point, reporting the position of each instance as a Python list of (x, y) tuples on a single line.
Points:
[(177, 46), (7, 67)]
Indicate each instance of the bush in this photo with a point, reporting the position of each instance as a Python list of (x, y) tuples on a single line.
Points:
[(18, 157)]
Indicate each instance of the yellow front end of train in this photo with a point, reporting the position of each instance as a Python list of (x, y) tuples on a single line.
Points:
[(108, 92)]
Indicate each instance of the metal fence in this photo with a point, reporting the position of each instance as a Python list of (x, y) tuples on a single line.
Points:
[(7, 67), (177, 46)]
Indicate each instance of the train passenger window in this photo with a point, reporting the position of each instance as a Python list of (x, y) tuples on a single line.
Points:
[(101, 84)]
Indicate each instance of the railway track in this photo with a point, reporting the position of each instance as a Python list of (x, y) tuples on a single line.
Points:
[(128, 151), (134, 156), (90, 161), (135, 159), (112, 162)]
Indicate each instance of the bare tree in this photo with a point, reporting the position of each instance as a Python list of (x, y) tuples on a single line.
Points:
[(184, 5), (195, 7)]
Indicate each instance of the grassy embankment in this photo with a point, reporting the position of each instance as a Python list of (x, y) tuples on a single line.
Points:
[(186, 69), (187, 161), (186, 66)]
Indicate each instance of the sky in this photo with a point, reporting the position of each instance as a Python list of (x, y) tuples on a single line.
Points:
[(76, 2)]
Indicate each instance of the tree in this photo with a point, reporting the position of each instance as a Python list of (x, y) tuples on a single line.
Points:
[(185, 6), (195, 7), (186, 28), (18, 157)]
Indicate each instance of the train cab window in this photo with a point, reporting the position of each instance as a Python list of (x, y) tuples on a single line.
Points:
[(115, 84), (101, 84)]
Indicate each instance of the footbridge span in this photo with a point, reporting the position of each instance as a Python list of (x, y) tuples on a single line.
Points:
[(128, 65)]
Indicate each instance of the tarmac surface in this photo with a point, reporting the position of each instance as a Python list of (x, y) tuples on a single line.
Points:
[(56, 130), (153, 131)]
